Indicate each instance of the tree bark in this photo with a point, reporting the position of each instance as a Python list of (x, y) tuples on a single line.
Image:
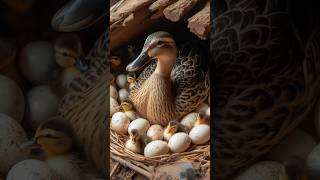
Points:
[(200, 22), (180, 9)]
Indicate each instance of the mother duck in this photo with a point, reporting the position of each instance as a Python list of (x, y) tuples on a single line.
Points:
[(169, 87), (267, 61)]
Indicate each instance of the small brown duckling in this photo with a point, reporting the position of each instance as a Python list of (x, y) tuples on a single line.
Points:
[(137, 141), (127, 107), (173, 127)]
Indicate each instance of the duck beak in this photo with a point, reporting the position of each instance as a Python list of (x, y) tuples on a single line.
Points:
[(32, 144), (139, 62)]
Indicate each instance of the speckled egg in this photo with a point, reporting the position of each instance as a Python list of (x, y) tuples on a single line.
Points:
[(179, 142), (142, 125), (265, 170), (114, 106), (12, 135), (297, 144), (120, 122), (121, 81), (155, 132), (123, 94), (189, 119), (12, 100), (42, 103), (37, 61), (30, 169), (113, 92), (156, 148), (200, 134)]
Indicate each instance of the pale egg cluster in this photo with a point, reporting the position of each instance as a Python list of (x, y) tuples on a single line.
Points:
[(153, 139)]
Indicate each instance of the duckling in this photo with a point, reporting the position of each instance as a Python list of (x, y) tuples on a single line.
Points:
[(201, 119), (169, 87), (131, 77), (137, 141), (127, 107), (54, 138), (173, 127), (115, 63)]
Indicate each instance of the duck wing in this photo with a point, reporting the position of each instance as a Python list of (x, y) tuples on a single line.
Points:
[(260, 89)]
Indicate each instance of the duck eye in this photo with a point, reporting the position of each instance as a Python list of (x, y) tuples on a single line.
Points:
[(159, 43)]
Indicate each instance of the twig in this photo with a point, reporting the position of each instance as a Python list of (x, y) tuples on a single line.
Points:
[(114, 169)]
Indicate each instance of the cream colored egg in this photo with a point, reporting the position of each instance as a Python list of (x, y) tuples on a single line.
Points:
[(12, 135), (37, 61), (265, 170), (142, 125), (156, 148), (155, 132), (30, 169), (208, 112), (121, 81), (200, 134), (120, 122), (113, 92), (12, 100), (114, 106), (42, 103), (123, 94), (203, 107), (298, 144), (189, 119), (179, 142)]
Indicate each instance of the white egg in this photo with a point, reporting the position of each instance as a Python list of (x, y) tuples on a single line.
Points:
[(297, 144), (142, 125), (12, 135), (37, 61), (179, 142), (123, 94), (42, 103), (203, 107), (189, 119), (30, 169), (313, 161), (156, 148), (155, 132), (114, 106), (68, 75), (113, 92), (208, 112), (120, 122), (11, 99), (121, 81), (200, 134), (265, 170)]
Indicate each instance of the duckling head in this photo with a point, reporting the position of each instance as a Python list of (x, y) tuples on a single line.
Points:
[(126, 105), (131, 77), (201, 119), (54, 137), (68, 50), (134, 135), (172, 127), (159, 46), (115, 61)]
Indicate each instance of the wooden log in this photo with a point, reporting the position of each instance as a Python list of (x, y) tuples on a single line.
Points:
[(178, 10), (200, 22), (160, 5)]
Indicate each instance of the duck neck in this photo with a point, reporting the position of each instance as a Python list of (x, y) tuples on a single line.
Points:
[(164, 67)]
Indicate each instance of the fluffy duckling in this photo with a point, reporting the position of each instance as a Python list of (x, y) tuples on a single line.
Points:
[(127, 107), (131, 77), (172, 128), (54, 138), (201, 119), (137, 141), (115, 63)]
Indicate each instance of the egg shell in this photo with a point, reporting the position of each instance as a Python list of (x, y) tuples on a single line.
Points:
[(12, 135), (200, 134), (142, 125), (156, 148), (113, 92), (179, 142), (265, 170), (120, 123), (121, 81), (68, 75), (155, 132), (189, 119), (42, 103), (114, 106), (203, 107), (37, 61), (123, 94), (12, 100), (313, 161), (30, 169), (297, 144)]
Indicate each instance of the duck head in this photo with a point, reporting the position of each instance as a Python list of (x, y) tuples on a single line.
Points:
[(159, 46), (53, 137)]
